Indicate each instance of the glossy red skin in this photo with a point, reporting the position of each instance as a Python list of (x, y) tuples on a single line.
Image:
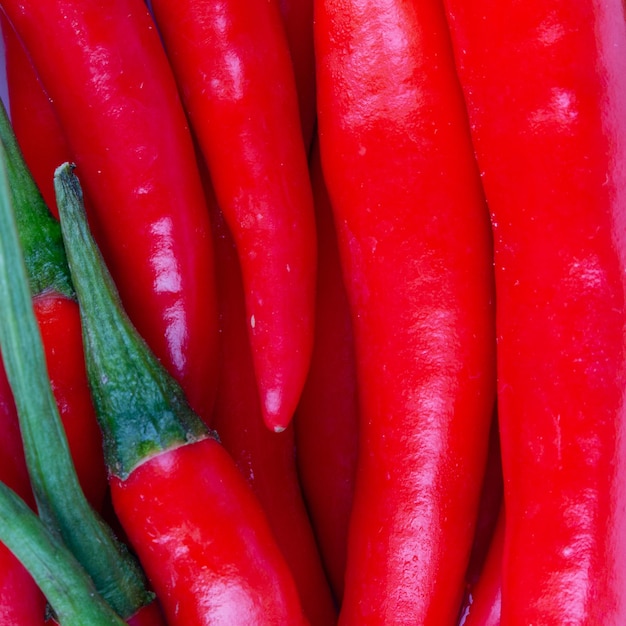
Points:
[(60, 327), (248, 128), (545, 85), (127, 131), (267, 460), (327, 416), (486, 594), (21, 601), (203, 540), (298, 20), (35, 124), (416, 250)]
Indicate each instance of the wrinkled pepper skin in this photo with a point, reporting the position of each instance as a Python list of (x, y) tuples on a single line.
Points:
[(247, 123), (124, 123), (545, 85), (190, 512), (415, 246)]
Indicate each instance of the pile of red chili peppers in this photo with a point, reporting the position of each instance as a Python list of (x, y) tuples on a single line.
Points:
[(313, 312)]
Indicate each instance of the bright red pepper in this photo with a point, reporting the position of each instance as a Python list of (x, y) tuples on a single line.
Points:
[(266, 459), (196, 525), (123, 120), (545, 85), (235, 74), (327, 416), (415, 246), (33, 118)]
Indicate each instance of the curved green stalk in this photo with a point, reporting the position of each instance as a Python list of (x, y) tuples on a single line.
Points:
[(58, 574), (60, 500)]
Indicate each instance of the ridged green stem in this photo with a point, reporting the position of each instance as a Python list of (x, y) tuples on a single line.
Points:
[(39, 231), (142, 410)]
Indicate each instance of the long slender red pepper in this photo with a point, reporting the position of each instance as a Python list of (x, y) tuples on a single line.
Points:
[(200, 533), (235, 74), (123, 120), (416, 250), (266, 459), (545, 85), (327, 416)]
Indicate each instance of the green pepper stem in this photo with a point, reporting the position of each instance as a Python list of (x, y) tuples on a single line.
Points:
[(60, 500), (142, 410), (63, 581), (39, 231)]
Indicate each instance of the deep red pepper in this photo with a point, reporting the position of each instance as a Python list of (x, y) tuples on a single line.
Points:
[(123, 120), (415, 246), (327, 415), (21, 601), (235, 74), (59, 324), (545, 85), (266, 459), (197, 527)]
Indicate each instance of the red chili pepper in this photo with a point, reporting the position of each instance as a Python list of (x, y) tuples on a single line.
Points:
[(123, 120), (266, 459), (298, 19), (415, 246), (235, 74), (545, 85), (33, 118), (197, 528), (327, 416)]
